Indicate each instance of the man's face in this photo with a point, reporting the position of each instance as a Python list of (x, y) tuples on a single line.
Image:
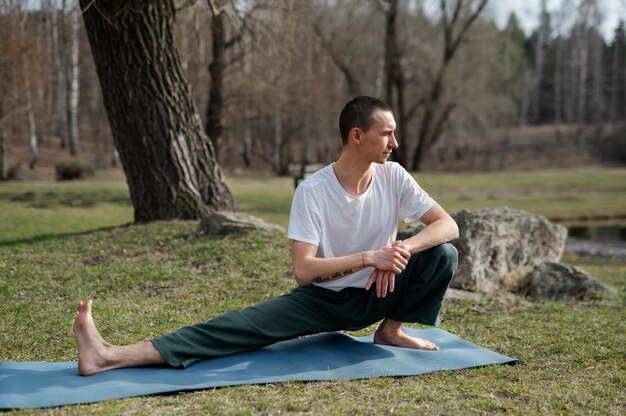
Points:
[(378, 142)]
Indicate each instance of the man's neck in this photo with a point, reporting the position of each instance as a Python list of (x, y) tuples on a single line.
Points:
[(354, 175)]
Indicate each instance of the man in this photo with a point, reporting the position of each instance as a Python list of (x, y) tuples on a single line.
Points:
[(350, 270)]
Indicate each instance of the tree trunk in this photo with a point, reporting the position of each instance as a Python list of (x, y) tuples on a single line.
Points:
[(277, 148), (72, 81), (2, 177), (558, 87), (582, 88), (598, 82), (391, 58), (33, 146), (32, 126), (523, 113), (394, 79), (169, 162), (539, 51), (435, 117), (403, 121), (213, 126), (247, 145), (614, 82), (115, 157), (423, 136), (61, 63)]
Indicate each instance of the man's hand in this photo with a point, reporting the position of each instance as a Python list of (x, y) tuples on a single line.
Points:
[(388, 261)]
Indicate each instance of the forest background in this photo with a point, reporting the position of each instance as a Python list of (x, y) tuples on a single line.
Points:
[(269, 78)]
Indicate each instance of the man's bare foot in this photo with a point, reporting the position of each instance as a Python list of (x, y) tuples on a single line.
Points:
[(92, 348), (392, 334)]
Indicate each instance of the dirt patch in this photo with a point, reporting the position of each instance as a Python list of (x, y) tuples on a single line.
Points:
[(153, 289), (25, 197)]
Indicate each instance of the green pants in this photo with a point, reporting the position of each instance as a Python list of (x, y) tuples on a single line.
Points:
[(418, 296)]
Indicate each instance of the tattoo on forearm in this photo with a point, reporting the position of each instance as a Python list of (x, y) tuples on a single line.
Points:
[(337, 275)]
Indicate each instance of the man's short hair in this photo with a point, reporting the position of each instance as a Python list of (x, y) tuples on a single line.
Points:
[(359, 112)]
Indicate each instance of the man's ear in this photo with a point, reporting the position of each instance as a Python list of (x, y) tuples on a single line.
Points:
[(355, 135)]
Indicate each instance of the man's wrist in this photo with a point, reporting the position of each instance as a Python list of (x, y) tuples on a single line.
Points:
[(366, 258), (401, 244)]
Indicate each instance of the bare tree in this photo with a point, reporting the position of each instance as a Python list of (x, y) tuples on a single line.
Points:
[(169, 162), (618, 74), (339, 41), (596, 44), (581, 40), (33, 146), (71, 77), (540, 45), (224, 14), (19, 72), (456, 18), (558, 75), (394, 75)]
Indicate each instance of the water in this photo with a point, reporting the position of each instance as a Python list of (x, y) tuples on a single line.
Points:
[(599, 233)]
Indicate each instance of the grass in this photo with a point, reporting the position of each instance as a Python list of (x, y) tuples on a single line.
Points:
[(152, 278)]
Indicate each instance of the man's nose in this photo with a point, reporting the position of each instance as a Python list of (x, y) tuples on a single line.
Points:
[(393, 143)]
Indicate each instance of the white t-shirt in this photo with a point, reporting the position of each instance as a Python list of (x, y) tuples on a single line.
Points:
[(339, 224)]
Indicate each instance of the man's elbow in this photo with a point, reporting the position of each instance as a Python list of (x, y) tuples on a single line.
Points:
[(299, 276), (454, 229)]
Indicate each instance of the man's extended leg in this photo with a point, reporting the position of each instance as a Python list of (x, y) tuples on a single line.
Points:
[(306, 310), (95, 354), (419, 294)]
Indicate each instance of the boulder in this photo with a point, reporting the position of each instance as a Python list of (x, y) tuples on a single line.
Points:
[(227, 222), (458, 294), (499, 246), (558, 281)]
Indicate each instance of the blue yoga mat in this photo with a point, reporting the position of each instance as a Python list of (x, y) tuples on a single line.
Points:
[(330, 356)]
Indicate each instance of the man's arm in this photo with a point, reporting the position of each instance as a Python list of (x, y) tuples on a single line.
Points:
[(308, 268), (440, 228)]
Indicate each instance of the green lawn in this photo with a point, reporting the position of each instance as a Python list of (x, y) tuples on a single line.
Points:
[(61, 242)]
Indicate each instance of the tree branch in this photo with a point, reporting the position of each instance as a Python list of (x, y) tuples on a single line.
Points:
[(339, 63), (469, 22)]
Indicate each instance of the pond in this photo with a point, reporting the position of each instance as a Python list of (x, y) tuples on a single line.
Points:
[(605, 233)]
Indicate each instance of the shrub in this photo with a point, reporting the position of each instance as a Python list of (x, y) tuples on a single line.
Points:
[(12, 172), (67, 171)]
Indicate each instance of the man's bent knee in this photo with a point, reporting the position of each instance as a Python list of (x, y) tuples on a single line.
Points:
[(447, 254)]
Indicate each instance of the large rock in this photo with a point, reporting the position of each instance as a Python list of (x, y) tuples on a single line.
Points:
[(558, 281), (458, 294), (499, 246), (227, 222)]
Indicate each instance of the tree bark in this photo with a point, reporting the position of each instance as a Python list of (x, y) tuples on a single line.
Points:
[(58, 39), (33, 147), (614, 82), (169, 162), (558, 86), (582, 85), (394, 78), (539, 52), (72, 81), (217, 66), (1, 155)]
